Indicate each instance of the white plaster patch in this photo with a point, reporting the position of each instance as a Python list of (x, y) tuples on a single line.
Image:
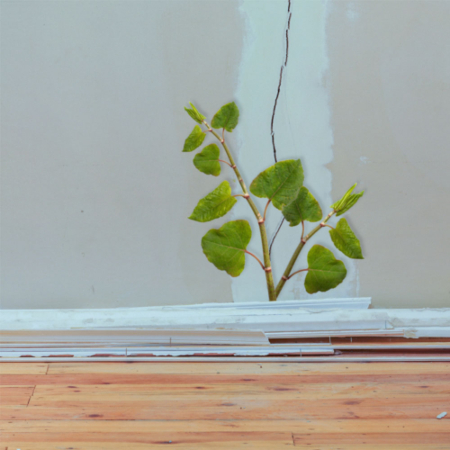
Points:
[(302, 129), (351, 13)]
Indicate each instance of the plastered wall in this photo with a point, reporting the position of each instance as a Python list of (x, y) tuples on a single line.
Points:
[(96, 192)]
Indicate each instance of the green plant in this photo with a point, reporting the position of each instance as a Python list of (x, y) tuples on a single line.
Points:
[(282, 185)]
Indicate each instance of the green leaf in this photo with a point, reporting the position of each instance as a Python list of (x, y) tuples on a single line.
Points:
[(216, 204), (325, 271), (207, 161), (280, 183), (304, 207), (345, 240), (347, 201), (227, 117), (199, 118), (350, 202), (194, 140), (225, 247)]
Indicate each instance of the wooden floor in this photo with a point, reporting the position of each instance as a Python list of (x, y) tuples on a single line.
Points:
[(127, 406)]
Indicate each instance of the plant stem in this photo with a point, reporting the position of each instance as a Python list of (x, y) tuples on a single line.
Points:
[(257, 259), (287, 272), (262, 227)]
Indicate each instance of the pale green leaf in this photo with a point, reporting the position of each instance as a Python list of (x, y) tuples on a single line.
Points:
[(279, 183), (347, 201), (207, 161), (227, 117), (194, 140), (352, 199), (199, 118), (304, 207), (216, 204), (345, 240), (225, 247), (325, 272)]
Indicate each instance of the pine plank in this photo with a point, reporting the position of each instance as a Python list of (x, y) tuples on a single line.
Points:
[(23, 368), (176, 438), (249, 445), (237, 410), (294, 426), (206, 368), (290, 401), (110, 378), (363, 439), (313, 391), (15, 390)]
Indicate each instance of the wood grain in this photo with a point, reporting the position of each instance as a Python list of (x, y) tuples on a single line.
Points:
[(118, 406)]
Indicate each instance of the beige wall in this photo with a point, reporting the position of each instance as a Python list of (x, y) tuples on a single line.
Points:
[(389, 84), (95, 189), (96, 192)]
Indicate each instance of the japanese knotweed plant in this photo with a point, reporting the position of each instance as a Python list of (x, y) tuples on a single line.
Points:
[(282, 186)]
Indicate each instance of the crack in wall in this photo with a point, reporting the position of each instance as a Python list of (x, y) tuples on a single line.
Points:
[(288, 27), (283, 66)]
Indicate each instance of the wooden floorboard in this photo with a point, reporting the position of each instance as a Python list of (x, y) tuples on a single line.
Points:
[(118, 406)]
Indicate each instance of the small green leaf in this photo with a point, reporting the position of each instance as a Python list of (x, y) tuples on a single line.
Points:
[(216, 204), (345, 240), (225, 247), (347, 201), (325, 271), (227, 117), (352, 199), (304, 207), (199, 118), (207, 161), (194, 140), (280, 183)]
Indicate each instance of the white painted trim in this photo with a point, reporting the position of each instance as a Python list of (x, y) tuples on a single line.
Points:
[(290, 350), (242, 316), (282, 319)]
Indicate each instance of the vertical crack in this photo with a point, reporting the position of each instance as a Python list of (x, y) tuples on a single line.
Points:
[(283, 66), (280, 81)]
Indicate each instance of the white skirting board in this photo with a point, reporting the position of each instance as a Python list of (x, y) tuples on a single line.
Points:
[(276, 320), (206, 316)]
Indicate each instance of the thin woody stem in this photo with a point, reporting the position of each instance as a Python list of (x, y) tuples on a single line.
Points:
[(298, 271), (241, 195), (226, 162), (262, 227), (265, 209), (304, 240), (257, 259), (325, 225)]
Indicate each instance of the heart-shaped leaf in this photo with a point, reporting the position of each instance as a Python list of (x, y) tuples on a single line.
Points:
[(194, 140), (280, 183), (227, 117), (347, 201), (304, 207), (216, 204), (225, 247), (345, 240), (325, 272), (207, 161), (199, 118)]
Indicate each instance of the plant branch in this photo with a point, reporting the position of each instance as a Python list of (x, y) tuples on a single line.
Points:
[(262, 227), (257, 259), (265, 209), (241, 195), (292, 274), (226, 162), (304, 240)]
